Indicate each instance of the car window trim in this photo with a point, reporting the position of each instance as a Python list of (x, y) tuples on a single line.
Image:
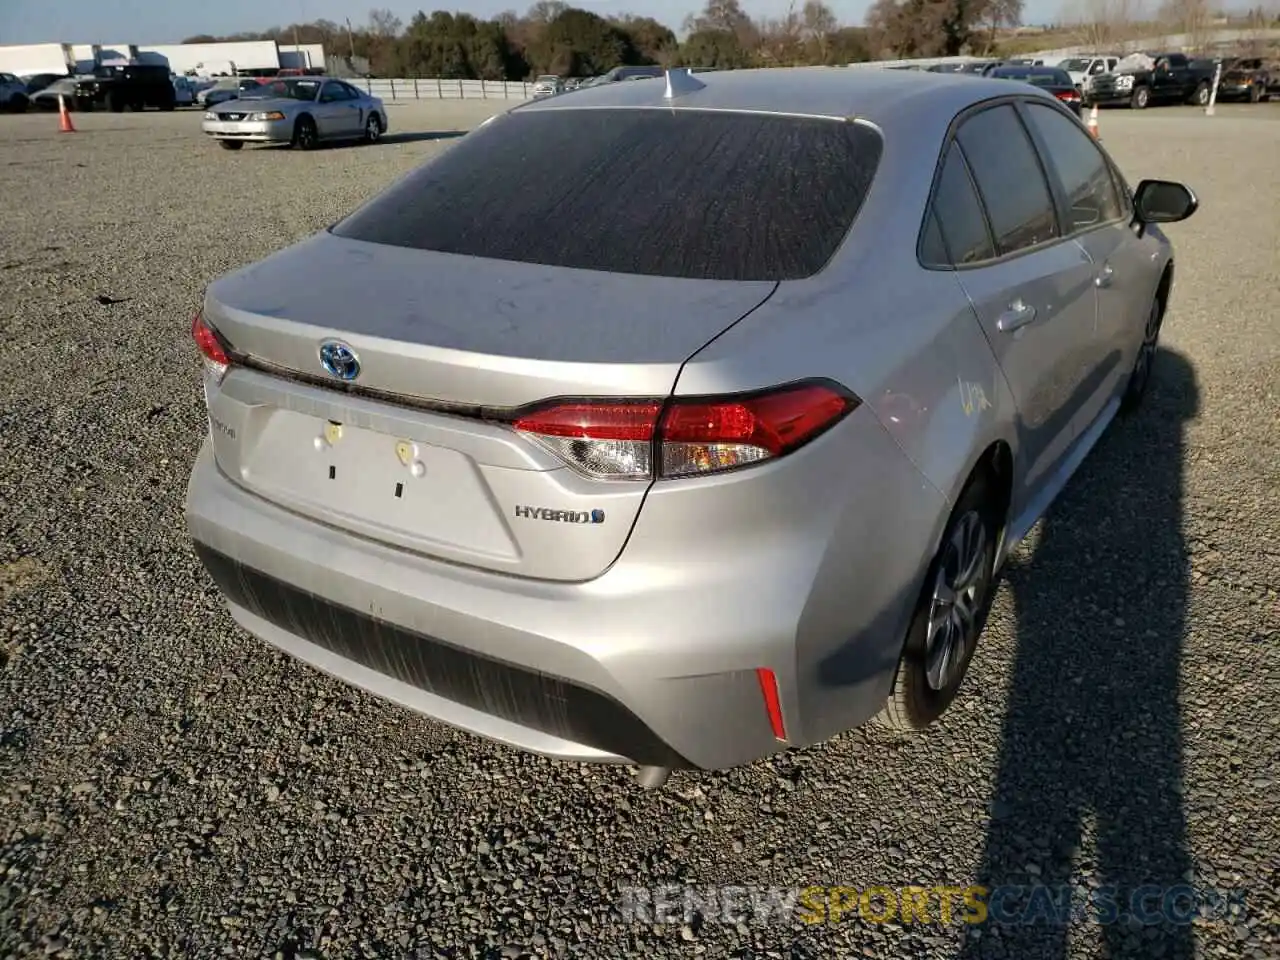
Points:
[(1056, 185), (949, 138)]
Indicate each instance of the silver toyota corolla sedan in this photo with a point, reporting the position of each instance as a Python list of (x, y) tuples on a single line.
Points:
[(301, 111), (679, 423)]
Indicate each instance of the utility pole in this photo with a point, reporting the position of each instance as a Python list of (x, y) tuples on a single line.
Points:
[(351, 39)]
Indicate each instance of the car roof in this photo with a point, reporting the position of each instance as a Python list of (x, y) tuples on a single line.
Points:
[(894, 100)]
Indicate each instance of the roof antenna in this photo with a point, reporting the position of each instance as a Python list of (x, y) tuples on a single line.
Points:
[(680, 81)]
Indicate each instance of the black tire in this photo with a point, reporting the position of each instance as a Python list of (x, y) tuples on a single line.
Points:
[(305, 135), (927, 681), (1140, 98), (231, 144), (114, 102), (18, 103), (373, 129), (1255, 93), (1140, 374), (1200, 97)]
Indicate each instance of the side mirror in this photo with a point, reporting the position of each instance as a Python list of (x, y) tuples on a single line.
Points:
[(1163, 201)]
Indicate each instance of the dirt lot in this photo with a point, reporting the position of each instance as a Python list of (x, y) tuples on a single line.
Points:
[(170, 787)]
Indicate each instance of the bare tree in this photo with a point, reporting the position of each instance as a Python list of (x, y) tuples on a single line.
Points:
[(818, 23), (1256, 25), (781, 39), (544, 11), (994, 16), (726, 16), (1191, 17), (1103, 25), (384, 24)]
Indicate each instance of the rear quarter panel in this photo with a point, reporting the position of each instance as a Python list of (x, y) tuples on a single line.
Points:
[(907, 342)]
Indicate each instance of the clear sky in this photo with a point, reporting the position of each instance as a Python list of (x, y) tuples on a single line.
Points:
[(158, 21)]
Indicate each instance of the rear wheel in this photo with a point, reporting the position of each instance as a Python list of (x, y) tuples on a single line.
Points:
[(305, 136), (18, 103), (230, 144), (373, 128), (1141, 97), (950, 614)]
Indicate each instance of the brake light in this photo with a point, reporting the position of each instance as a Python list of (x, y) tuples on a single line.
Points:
[(687, 436), (1068, 96), (216, 360)]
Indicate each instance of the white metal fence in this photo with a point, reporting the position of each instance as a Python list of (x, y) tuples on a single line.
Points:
[(434, 88)]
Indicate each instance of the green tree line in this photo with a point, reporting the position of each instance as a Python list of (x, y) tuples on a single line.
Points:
[(553, 37)]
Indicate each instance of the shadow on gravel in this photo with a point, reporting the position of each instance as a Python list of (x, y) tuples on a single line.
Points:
[(1089, 789), (426, 135)]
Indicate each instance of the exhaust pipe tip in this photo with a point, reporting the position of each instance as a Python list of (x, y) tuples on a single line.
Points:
[(651, 778)]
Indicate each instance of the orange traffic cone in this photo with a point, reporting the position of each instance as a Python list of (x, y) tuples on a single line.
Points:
[(64, 117), (1092, 124)]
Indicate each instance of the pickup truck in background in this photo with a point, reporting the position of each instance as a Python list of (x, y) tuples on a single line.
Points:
[(1154, 78), (1087, 66)]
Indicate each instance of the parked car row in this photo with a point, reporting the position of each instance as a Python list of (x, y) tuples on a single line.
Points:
[(549, 85), (1147, 79), (18, 93), (113, 87), (1138, 80), (120, 86)]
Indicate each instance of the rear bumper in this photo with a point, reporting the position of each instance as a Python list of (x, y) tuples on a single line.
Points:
[(654, 662), (432, 675)]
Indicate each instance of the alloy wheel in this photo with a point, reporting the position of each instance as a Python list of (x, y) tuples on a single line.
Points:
[(954, 610), (306, 135)]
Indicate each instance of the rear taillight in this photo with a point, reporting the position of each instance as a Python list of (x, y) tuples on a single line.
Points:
[(1068, 96), (686, 436), (215, 356)]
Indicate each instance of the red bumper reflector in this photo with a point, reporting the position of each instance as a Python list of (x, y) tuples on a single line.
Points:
[(772, 703)]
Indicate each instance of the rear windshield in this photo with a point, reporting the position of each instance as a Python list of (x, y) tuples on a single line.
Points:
[(695, 194)]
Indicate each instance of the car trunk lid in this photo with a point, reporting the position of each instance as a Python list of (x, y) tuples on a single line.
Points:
[(454, 343)]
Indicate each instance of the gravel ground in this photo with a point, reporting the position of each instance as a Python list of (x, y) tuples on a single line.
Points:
[(171, 787)]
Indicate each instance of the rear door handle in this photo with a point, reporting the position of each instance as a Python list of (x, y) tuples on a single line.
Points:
[(1018, 315), (1104, 277)]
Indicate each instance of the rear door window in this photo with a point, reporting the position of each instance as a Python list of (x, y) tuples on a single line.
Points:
[(1009, 177), (683, 193), (960, 235)]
